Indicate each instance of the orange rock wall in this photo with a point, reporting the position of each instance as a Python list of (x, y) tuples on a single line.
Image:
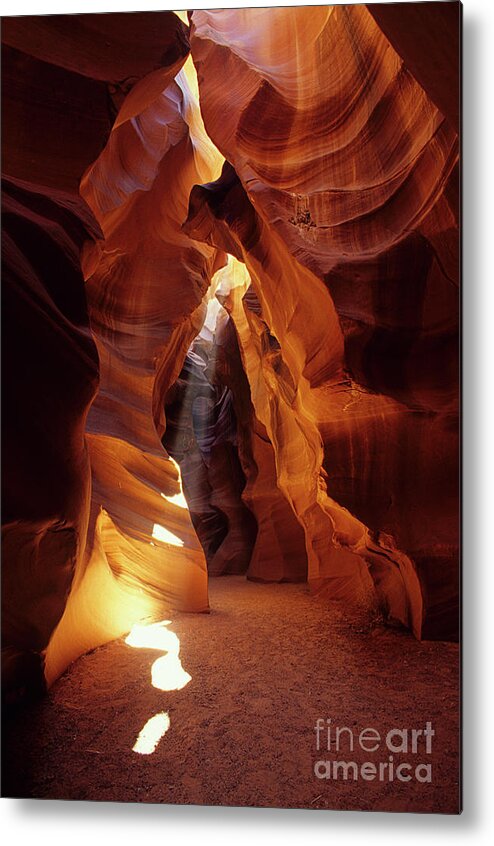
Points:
[(350, 178), (145, 286), (65, 81)]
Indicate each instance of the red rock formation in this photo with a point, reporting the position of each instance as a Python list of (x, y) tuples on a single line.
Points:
[(64, 80), (145, 287), (218, 450), (351, 172), (341, 149), (279, 550), (341, 554), (427, 37), (49, 378)]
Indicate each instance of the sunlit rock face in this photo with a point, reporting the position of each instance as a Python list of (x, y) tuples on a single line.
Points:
[(342, 556), (344, 209), (279, 551), (64, 81), (145, 287)]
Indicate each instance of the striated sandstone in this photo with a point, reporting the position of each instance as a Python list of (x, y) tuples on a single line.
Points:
[(348, 181), (145, 287)]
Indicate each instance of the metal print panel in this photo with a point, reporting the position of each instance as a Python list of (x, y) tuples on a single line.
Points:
[(230, 407)]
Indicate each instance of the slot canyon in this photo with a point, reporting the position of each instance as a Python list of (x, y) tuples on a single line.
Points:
[(230, 432)]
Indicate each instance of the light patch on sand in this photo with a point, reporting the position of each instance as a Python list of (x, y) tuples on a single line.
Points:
[(167, 672), (151, 734)]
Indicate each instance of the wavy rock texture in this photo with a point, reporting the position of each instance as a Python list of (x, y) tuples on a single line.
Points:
[(340, 147), (227, 460), (428, 40), (348, 226), (341, 555), (279, 551), (64, 81), (145, 287)]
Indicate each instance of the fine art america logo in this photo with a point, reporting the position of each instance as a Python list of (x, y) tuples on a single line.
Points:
[(341, 741)]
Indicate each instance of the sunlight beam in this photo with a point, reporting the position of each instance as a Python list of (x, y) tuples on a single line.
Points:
[(164, 535), (176, 499)]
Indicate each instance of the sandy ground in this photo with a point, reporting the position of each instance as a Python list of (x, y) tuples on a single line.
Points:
[(265, 664)]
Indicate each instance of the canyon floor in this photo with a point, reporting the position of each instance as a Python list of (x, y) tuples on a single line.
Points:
[(266, 663)]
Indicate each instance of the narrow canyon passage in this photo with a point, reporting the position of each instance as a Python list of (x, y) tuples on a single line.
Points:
[(205, 438), (265, 664)]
